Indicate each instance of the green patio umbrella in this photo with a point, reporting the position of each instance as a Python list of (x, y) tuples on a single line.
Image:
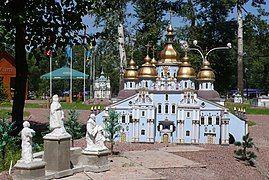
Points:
[(64, 73)]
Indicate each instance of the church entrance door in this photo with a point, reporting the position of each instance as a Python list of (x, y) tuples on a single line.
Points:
[(123, 137), (165, 138), (210, 139)]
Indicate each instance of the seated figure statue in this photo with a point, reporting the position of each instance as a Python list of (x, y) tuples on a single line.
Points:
[(26, 144), (56, 117), (94, 136)]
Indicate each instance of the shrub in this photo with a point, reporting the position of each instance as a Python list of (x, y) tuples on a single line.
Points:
[(251, 123), (243, 153), (73, 127), (112, 128)]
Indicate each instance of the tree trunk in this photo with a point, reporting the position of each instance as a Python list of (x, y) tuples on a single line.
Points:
[(21, 70), (240, 83), (123, 61)]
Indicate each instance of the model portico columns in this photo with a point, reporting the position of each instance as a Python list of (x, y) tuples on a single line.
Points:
[(225, 128)]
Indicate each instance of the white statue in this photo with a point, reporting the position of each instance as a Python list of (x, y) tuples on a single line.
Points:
[(94, 136), (26, 144), (56, 117)]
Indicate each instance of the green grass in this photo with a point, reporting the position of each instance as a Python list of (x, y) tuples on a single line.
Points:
[(247, 107), (12, 153), (251, 123), (4, 112)]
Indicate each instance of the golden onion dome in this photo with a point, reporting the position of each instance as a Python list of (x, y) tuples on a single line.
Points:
[(131, 71), (206, 73), (185, 69), (147, 70), (169, 54), (153, 61)]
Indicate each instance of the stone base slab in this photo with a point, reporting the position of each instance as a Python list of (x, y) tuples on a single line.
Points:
[(57, 153), (32, 170), (94, 161)]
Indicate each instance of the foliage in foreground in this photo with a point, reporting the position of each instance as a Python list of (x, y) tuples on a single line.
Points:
[(243, 153), (112, 128), (73, 127), (7, 143)]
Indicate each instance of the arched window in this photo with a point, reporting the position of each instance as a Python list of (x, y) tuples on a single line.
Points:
[(187, 133), (217, 120), (186, 84), (162, 74), (206, 85), (131, 84), (159, 108), (188, 114), (123, 119), (146, 84), (130, 119), (143, 132), (209, 120), (166, 108), (166, 97), (202, 120), (173, 109)]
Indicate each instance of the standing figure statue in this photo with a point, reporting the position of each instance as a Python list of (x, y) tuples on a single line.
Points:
[(26, 144), (94, 136), (56, 117)]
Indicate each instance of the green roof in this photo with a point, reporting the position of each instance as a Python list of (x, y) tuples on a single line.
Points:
[(64, 73)]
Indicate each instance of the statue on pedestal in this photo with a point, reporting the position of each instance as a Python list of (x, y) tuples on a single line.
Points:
[(94, 136), (56, 117), (26, 144)]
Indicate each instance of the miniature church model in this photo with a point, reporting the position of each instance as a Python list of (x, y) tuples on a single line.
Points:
[(102, 87), (160, 102)]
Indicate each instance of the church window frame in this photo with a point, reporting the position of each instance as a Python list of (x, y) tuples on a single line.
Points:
[(143, 114), (202, 120), (166, 97), (206, 85), (185, 84), (173, 108), (188, 133), (210, 122), (123, 119), (159, 108), (166, 109), (130, 118), (131, 84), (188, 114), (143, 132), (217, 120), (146, 84)]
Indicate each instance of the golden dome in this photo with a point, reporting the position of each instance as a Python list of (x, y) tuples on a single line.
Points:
[(131, 71), (169, 54), (185, 69), (206, 73), (147, 70), (153, 61)]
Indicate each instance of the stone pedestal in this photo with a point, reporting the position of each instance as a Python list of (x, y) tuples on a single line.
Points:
[(32, 170), (57, 152), (95, 161)]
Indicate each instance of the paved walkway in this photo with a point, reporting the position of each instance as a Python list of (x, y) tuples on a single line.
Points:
[(139, 164)]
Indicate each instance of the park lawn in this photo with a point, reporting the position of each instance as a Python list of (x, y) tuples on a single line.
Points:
[(4, 112), (247, 107)]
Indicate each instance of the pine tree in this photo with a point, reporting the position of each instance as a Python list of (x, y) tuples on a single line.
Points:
[(73, 127), (244, 154), (112, 128)]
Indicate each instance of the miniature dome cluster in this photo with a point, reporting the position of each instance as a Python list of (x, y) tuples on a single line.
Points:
[(168, 56)]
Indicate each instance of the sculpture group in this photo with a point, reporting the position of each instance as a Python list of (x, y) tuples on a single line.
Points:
[(57, 145)]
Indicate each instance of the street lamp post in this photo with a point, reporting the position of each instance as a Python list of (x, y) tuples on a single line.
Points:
[(199, 49)]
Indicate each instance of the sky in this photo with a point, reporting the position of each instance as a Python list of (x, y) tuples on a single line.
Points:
[(176, 21)]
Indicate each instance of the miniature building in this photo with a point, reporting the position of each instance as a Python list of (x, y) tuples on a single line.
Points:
[(7, 72), (263, 101), (102, 87), (159, 103)]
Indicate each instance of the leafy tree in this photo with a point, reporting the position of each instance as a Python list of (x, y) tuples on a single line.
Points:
[(6, 138), (73, 127), (244, 154), (36, 23), (112, 128)]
